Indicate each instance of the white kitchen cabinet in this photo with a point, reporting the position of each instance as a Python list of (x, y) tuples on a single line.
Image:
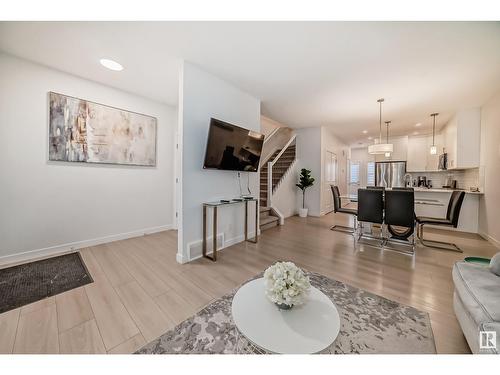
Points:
[(419, 158), (462, 137), (432, 161), (400, 147), (416, 159)]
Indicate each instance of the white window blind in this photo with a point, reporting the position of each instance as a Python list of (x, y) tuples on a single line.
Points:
[(354, 173), (370, 174)]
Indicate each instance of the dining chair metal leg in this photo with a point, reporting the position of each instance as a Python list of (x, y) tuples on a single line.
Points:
[(450, 246), (389, 240), (384, 234), (344, 228), (361, 234), (360, 230)]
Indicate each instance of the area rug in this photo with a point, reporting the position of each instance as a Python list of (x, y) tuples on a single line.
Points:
[(369, 324), (31, 282)]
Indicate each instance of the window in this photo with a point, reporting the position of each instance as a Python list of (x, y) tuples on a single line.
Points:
[(354, 172), (370, 173)]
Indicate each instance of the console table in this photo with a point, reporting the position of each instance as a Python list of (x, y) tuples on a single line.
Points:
[(215, 205)]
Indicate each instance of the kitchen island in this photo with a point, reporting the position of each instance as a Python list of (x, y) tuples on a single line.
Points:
[(434, 203)]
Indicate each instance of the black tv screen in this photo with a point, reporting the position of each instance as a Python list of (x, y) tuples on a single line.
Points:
[(230, 147)]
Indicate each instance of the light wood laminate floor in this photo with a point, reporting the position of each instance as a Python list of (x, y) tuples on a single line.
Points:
[(139, 290)]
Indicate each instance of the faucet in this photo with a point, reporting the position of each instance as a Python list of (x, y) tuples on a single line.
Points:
[(405, 179)]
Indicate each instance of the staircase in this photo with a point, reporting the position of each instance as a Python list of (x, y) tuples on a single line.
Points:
[(268, 217)]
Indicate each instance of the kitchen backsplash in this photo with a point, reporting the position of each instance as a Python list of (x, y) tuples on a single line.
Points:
[(465, 178)]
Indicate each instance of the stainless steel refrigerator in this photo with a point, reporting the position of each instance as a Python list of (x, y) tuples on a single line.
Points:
[(390, 173)]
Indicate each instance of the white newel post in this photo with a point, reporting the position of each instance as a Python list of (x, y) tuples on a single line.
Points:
[(269, 183)]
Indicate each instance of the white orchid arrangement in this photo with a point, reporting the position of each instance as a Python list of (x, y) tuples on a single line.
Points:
[(286, 284)]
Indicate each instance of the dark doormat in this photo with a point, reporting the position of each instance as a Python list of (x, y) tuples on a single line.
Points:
[(31, 282)]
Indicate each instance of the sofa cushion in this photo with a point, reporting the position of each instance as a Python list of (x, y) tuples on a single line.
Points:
[(479, 290), (495, 264)]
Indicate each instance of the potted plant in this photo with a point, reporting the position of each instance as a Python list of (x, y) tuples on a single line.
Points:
[(305, 181)]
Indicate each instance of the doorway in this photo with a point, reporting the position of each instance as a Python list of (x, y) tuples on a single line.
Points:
[(331, 178)]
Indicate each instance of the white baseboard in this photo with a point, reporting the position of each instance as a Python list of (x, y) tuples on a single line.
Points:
[(220, 239), (73, 246), (180, 259), (491, 239), (195, 248)]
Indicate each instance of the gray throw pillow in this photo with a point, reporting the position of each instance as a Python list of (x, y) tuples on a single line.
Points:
[(495, 264)]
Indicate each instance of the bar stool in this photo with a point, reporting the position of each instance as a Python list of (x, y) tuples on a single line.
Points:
[(451, 220)]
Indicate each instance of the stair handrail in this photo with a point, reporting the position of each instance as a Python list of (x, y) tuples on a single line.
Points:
[(283, 150), (269, 136), (270, 165)]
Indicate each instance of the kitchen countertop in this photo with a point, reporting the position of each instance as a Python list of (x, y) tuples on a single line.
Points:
[(443, 190)]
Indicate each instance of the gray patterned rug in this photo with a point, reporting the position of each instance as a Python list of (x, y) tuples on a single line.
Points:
[(369, 324)]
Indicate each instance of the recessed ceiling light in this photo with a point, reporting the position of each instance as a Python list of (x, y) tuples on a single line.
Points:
[(365, 131), (415, 133), (418, 124), (370, 138), (110, 64)]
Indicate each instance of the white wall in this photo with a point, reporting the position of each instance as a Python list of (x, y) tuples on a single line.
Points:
[(48, 207), (203, 96), (267, 125), (330, 142), (489, 213), (309, 156)]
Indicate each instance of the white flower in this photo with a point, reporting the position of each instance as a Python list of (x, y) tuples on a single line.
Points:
[(286, 284)]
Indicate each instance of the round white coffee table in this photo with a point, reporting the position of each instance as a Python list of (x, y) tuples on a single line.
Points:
[(309, 328)]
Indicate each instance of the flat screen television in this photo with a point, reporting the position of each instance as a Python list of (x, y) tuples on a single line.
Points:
[(232, 148)]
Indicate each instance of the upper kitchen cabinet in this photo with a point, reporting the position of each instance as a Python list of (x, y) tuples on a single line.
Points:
[(462, 137), (419, 156), (399, 154)]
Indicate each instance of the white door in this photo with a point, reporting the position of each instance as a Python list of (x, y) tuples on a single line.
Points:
[(354, 177), (330, 178)]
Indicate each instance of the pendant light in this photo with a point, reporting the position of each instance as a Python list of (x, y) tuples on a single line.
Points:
[(433, 147), (380, 148), (387, 123)]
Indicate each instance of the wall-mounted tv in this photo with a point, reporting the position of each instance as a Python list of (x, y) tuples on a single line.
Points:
[(230, 147)]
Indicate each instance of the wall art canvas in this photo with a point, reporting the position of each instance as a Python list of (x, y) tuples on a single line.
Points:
[(88, 132)]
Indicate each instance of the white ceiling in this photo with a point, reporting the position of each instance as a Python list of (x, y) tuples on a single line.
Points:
[(305, 73)]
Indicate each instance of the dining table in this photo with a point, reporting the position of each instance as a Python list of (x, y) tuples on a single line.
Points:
[(422, 201)]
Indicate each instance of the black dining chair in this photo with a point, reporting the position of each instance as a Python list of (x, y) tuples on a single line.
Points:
[(337, 207), (400, 216), (370, 209), (451, 220)]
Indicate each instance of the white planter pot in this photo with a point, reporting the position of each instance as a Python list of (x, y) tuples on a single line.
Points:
[(303, 212)]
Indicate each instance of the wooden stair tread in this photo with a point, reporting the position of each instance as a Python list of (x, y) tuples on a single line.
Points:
[(268, 220)]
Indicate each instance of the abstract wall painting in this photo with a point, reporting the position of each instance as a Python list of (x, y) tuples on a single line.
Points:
[(88, 132)]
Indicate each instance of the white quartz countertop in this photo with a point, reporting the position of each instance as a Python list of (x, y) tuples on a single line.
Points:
[(437, 190)]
